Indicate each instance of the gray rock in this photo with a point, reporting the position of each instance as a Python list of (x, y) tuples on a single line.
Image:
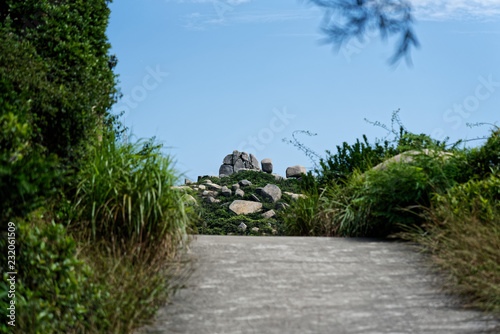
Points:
[(236, 155), (210, 199), (208, 193), (255, 229), (187, 181), (242, 226), (268, 214), (267, 165), (226, 191), (245, 183), (254, 162), (278, 177), (245, 156), (188, 199), (214, 186), (226, 170), (239, 193), (241, 207), (255, 198), (282, 206), (295, 171), (235, 186), (408, 157), (295, 197), (228, 160), (201, 187), (272, 192), (239, 164)]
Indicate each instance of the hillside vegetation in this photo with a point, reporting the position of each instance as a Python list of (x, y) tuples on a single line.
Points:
[(444, 197)]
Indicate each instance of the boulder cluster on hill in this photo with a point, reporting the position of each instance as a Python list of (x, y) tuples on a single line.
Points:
[(238, 195)]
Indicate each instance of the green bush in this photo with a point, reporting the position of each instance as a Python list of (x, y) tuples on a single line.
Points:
[(65, 69), (362, 156), (54, 289), (463, 234), (124, 198), (27, 173)]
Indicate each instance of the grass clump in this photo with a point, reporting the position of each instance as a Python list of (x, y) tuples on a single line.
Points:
[(124, 198), (463, 235), (132, 227)]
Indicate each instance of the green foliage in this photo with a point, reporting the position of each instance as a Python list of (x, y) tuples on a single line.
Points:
[(482, 160), (463, 234), (361, 156), (54, 289), (64, 76), (124, 198), (26, 176), (310, 216), (27, 173)]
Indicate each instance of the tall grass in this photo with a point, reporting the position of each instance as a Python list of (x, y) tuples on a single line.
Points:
[(132, 229), (124, 199), (463, 235)]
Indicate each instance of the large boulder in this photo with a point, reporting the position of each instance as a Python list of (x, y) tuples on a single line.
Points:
[(239, 164), (238, 161), (241, 207), (267, 165), (272, 192), (226, 170), (295, 171), (254, 163), (408, 156), (228, 160)]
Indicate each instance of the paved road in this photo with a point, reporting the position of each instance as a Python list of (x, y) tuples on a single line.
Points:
[(312, 285)]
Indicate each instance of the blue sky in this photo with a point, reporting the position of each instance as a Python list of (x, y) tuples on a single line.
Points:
[(207, 77)]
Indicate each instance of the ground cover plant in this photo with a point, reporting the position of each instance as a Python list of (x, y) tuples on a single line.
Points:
[(216, 218)]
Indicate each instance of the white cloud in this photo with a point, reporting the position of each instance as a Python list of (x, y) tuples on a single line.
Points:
[(442, 10), (227, 15)]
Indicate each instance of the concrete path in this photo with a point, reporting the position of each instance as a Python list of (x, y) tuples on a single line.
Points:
[(312, 285)]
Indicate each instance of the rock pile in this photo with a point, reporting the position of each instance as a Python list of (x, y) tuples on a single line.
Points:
[(233, 163)]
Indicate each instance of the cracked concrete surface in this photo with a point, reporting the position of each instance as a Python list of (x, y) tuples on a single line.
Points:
[(312, 285)]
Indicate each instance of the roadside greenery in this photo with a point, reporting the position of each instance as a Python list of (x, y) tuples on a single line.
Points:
[(100, 234), (445, 198)]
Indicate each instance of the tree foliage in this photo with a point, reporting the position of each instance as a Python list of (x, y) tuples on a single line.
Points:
[(348, 19), (56, 89)]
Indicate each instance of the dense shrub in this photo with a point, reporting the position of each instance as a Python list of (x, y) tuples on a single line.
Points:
[(72, 86), (27, 173), (358, 156), (54, 289)]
